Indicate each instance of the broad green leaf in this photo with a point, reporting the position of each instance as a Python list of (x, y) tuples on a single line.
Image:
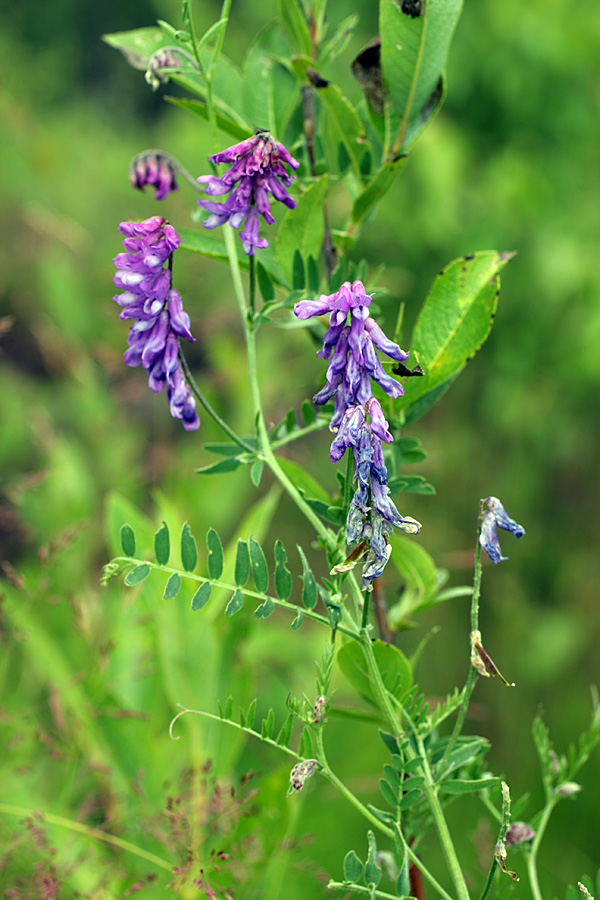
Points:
[(306, 484), (346, 122), (413, 56), (202, 595), (298, 278), (270, 90), (189, 551), (242, 563), (225, 120), (137, 575), (454, 321), (308, 412), (376, 189), (172, 586), (294, 20), (312, 269), (283, 578), (138, 45), (230, 464), (461, 786), (372, 869), (127, 540), (215, 555), (258, 563), (264, 282), (265, 609), (211, 244), (353, 867), (302, 228), (162, 545), (394, 667), (309, 586), (235, 604), (414, 563)]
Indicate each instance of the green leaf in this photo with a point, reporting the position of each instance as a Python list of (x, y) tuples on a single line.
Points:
[(454, 321), (162, 545), (302, 228), (309, 586), (414, 564), (202, 595), (308, 411), (409, 799), (268, 724), (394, 667), (413, 56), (372, 869), (298, 279), (353, 867), (306, 484), (172, 586), (127, 540), (297, 622), (305, 744), (137, 575), (251, 714), (392, 777), (215, 555), (390, 742), (225, 120), (283, 578), (294, 20), (389, 795), (260, 571), (376, 189), (410, 484), (285, 732), (269, 89), (138, 45), (189, 551), (223, 465), (264, 283), (265, 609), (235, 604), (242, 563), (346, 122), (462, 786)]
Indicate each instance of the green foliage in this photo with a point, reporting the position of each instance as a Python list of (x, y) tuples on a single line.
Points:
[(393, 666), (189, 550)]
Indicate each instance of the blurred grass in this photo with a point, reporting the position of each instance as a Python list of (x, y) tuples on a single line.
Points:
[(91, 676)]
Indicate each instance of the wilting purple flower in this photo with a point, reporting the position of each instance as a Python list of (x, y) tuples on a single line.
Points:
[(157, 311), (354, 361), (496, 517), (156, 169), (258, 171), (518, 833)]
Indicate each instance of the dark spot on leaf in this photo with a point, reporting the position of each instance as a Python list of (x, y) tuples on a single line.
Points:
[(413, 8), (433, 102), (470, 256), (366, 68), (463, 268), (405, 372), (315, 79)]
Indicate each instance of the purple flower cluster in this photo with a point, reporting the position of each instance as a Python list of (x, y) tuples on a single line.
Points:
[(496, 517), (258, 170), (354, 362), (157, 311), (156, 169)]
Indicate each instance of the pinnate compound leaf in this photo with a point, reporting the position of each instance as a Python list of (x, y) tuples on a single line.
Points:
[(353, 867), (242, 564), (202, 595), (172, 586), (235, 604), (394, 667), (260, 571), (127, 540), (162, 545), (283, 578), (215, 555), (309, 587), (454, 322), (137, 575)]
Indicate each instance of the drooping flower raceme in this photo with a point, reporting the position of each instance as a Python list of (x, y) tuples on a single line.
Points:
[(358, 419), (496, 517), (156, 308), (258, 171), (156, 169)]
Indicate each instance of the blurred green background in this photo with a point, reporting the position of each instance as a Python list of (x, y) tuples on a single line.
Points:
[(91, 676)]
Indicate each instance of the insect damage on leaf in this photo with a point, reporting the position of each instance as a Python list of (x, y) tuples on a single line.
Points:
[(366, 68), (413, 8)]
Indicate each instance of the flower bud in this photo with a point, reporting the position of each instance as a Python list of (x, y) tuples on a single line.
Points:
[(519, 833)]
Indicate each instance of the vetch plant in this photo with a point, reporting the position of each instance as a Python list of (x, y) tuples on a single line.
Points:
[(296, 134)]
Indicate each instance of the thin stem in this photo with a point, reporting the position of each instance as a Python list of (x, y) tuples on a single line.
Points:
[(421, 867), (317, 425), (505, 819), (365, 610), (93, 833), (252, 285), (212, 413), (535, 846)]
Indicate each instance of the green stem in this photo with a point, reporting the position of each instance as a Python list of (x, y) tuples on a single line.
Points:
[(252, 285), (505, 819), (327, 773), (206, 405), (93, 833), (532, 855), (422, 868)]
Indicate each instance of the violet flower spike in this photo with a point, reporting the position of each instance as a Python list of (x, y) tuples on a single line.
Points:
[(157, 311), (496, 517), (155, 169), (258, 171)]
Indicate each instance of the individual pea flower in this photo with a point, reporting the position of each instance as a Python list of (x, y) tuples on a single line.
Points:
[(156, 308), (568, 789), (518, 833), (319, 709), (258, 171), (352, 347), (156, 169), (300, 773), (159, 63), (496, 517)]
